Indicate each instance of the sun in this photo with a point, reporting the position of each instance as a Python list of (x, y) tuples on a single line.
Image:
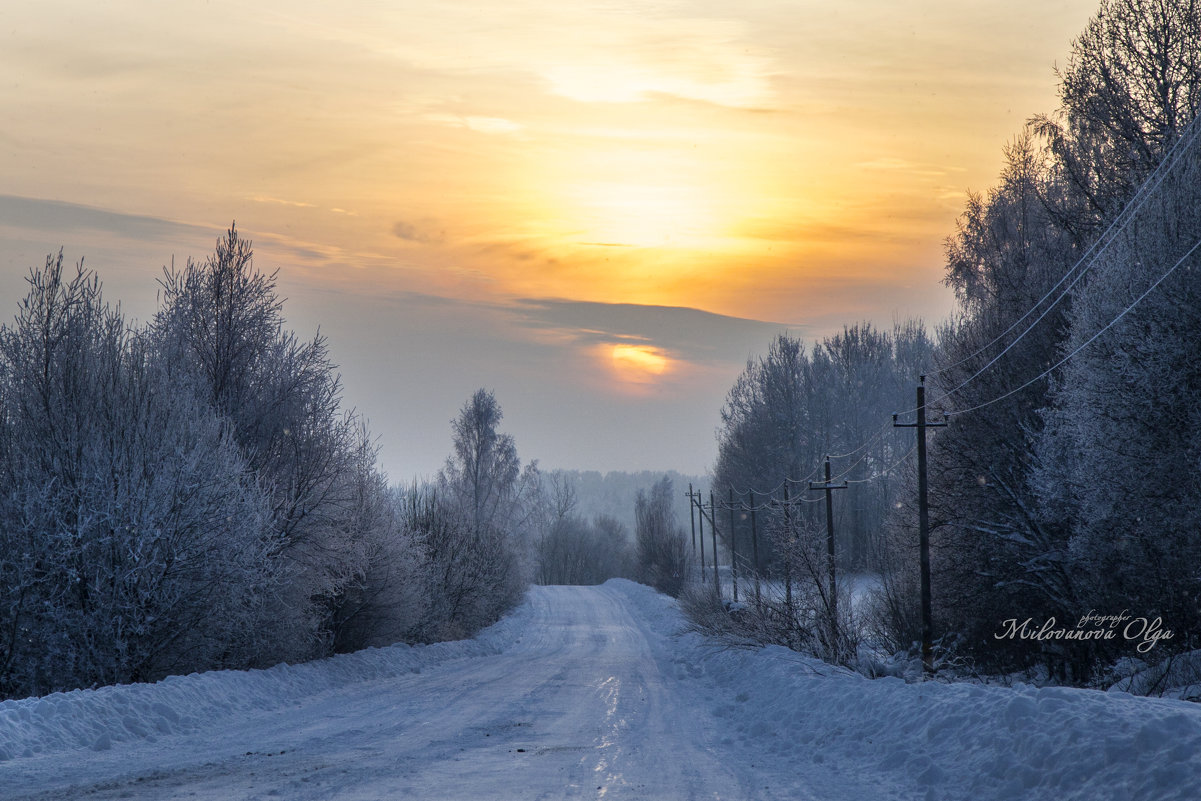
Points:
[(643, 215), (636, 365)]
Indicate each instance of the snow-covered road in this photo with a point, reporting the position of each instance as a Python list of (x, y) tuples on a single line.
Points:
[(589, 692), (584, 701)]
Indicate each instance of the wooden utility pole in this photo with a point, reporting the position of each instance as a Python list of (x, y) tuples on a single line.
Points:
[(788, 557), (755, 546), (691, 517), (829, 487), (733, 548), (713, 525), (697, 501), (923, 523)]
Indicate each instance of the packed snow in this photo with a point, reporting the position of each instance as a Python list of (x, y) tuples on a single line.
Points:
[(591, 692)]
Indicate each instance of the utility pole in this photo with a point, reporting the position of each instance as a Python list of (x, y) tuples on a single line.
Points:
[(691, 517), (713, 525), (788, 556), (733, 548), (697, 501), (829, 487), (755, 546), (923, 523)]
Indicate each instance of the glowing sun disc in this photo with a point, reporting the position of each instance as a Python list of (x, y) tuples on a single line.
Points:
[(638, 363)]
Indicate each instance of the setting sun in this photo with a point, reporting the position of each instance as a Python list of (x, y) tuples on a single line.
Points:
[(637, 364), (643, 215)]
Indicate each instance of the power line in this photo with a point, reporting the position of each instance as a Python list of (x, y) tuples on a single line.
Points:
[(1100, 245), (1107, 237), (1087, 342), (786, 482), (885, 471)]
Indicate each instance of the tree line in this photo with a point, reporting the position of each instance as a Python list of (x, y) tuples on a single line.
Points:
[(1065, 481), (1078, 491), (191, 493)]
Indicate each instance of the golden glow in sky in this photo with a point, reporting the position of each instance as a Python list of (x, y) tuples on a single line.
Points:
[(486, 148), (636, 364), (798, 162), (642, 215)]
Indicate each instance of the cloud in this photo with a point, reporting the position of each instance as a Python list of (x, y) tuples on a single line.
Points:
[(420, 232), (524, 250), (493, 125), (280, 201), (688, 334), (571, 398), (477, 123), (61, 217), (892, 164), (618, 52)]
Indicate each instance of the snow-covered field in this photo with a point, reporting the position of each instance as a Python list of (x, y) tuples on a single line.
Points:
[(591, 692)]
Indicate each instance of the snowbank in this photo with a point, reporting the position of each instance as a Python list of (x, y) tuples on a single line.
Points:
[(954, 741), (96, 719)]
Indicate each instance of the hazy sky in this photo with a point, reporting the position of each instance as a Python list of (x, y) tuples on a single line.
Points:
[(599, 210)]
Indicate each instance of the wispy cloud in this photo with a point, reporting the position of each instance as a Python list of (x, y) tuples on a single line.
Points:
[(893, 164), (281, 202), (477, 123), (423, 232), (691, 335), (62, 217)]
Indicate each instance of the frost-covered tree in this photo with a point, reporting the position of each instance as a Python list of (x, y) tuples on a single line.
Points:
[(1131, 84), (474, 524), (472, 576), (765, 433), (1001, 544), (576, 551), (129, 528), (221, 328), (185, 496), (792, 407), (868, 367), (662, 553), (989, 546), (484, 480), (221, 323), (1122, 446), (483, 474), (382, 594)]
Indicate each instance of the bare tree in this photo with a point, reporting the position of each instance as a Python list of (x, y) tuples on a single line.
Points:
[(575, 551), (1131, 84)]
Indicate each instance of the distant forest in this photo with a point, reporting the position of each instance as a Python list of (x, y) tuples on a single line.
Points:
[(613, 493)]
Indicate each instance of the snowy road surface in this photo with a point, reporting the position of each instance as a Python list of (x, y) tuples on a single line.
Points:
[(590, 693)]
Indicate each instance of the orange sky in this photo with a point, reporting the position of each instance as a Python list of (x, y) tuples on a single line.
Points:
[(797, 163)]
